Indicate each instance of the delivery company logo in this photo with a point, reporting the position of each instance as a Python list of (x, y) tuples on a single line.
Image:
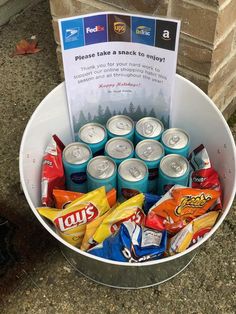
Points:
[(72, 33), (95, 29), (119, 27), (143, 30), (166, 34)]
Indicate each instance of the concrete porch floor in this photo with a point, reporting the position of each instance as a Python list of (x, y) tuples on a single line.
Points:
[(34, 276)]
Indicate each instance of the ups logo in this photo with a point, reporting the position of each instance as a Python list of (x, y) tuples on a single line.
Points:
[(119, 27)]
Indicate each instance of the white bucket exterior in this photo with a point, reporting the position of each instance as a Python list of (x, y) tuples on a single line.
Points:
[(192, 111)]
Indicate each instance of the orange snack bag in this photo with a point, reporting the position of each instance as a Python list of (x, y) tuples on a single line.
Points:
[(183, 204), (63, 198), (71, 222)]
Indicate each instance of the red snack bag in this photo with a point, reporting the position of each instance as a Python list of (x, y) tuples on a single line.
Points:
[(52, 175), (204, 176)]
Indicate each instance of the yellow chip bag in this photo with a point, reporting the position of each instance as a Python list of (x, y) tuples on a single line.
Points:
[(190, 234), (71, 222), (130, 210)]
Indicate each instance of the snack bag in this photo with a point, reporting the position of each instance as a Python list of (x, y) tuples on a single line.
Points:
[(63, 198), (180, 205), (199, 226), (132, 243), (203, 176), (129, 210), (52, 173), (70, 222), (149, 201)]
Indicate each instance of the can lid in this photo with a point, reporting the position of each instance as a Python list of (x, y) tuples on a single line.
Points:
[(77, 153), (92, 133), (175, 138), (149, 150), (149, 127), (101, 167), (119, 147), (133, 169), (174, 166), (120, 125)]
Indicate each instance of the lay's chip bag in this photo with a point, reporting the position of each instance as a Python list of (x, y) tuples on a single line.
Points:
[(130, 210), (71, 222)]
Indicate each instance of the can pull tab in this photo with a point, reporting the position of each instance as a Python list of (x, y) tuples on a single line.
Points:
[(77, 153), (148, 151), (91, 132), (134, 172), (174, 140), (102, 168), (120, 148), (176, 167), (122, 125), (148, 128)]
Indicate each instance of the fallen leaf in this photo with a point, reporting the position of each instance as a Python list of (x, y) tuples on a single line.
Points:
[(26, 47)]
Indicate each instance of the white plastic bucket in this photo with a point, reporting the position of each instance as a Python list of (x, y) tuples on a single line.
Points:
[(192, 111)]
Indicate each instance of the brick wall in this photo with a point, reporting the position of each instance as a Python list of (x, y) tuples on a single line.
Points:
[(207, 52)]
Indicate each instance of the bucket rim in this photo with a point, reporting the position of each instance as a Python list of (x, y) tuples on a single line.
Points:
[(107, 261)]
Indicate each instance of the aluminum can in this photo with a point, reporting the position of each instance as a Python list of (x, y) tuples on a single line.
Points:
[(94, 135), (151, 152), (176, 141), (122, 126), (132, 178), (174, 169), (101, 171), (119, 149), (148, 128), (75, 160)]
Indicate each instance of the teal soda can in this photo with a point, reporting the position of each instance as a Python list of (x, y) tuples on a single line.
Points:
[(122, 126), (75, 159), (174, 169), (101, 171), (176, 141), (119, 149), (95, 136), (151, 152), (148, 128), (132, 178)]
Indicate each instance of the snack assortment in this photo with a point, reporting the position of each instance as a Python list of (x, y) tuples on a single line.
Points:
[(130, 192)]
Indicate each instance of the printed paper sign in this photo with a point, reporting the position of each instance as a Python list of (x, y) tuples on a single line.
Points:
[(118, 64)]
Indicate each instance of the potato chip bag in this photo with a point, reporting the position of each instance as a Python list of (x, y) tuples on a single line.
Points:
[(183, 239), (180, 205), (70, 222), (63, 198), (130, 210)]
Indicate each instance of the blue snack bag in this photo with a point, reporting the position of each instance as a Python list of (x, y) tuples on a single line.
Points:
[(132, 243), (149, 201)]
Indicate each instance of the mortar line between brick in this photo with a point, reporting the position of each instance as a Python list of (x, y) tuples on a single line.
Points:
[(222, 38), (201, 5), (219, 92), (191, 72), (224, 4), (222, 64)]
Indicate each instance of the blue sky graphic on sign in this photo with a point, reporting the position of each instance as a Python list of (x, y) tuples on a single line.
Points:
[(73, 33), (95, 29), (143, 31)]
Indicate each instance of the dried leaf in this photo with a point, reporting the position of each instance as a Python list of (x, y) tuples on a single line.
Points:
[(26, 47)]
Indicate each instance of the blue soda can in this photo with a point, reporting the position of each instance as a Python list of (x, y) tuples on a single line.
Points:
[(75, 160), (95, 136), (101, 171), (174, 169), (148, 128), (119, 149), (132, 178), (176, 141), (151, 152), (122, 126)]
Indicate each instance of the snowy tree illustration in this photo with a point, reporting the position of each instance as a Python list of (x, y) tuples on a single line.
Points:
[(152, 113), (114, 113), (125, 112), (138, 114), (145, 112), (89, 117), (107, 114), (131, 108), (80, 122)]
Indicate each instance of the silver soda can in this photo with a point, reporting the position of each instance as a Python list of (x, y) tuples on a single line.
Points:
[(132, 178), (151, 152), (174, 169), (176, 141), (101, 171), (122, 126), (75, 160), (94, 135), (119, 149), (148, 128)]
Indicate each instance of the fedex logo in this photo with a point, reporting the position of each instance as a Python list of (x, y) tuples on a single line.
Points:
[(98, 28)]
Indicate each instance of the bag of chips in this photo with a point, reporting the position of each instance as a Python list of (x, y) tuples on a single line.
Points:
[(70, 222), (52, 173), (129, 210)]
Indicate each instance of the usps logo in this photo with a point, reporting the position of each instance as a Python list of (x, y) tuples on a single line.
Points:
[(72, 33), (95, 29)]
